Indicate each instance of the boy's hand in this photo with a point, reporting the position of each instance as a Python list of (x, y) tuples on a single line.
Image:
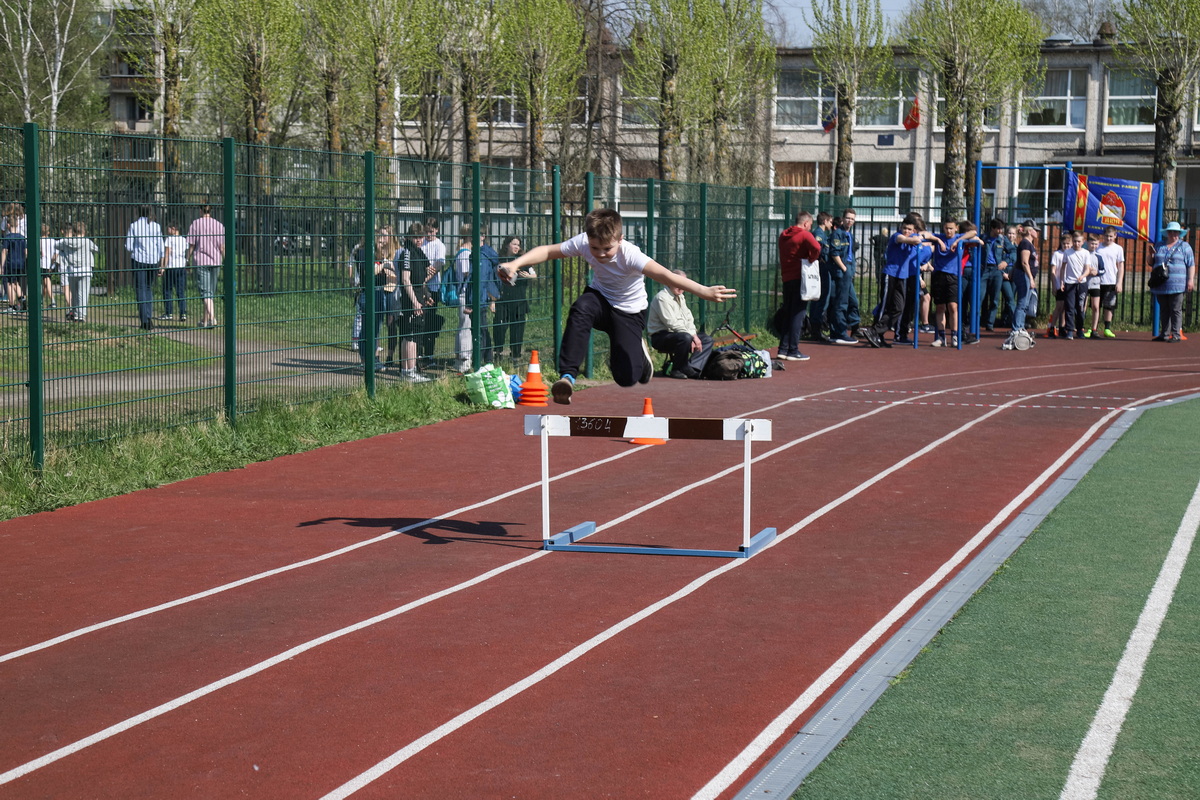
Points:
[(718, 294)]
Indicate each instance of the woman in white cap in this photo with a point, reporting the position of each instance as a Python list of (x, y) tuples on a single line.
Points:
[(1176, 255)]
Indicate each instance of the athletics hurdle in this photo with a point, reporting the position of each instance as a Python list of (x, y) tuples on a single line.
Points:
[(743, 430)]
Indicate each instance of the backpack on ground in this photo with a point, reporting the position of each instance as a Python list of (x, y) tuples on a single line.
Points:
[(1018, 340), (733, 362)]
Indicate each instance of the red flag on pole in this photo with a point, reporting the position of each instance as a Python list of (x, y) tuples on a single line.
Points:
[(913, 119), (829, 122)]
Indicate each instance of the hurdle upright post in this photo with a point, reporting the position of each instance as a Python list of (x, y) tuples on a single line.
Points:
[(545, 437), (747, 431)]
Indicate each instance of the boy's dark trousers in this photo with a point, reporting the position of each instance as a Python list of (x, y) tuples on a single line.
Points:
[(893, 291), (593, 311), (1073, 297)]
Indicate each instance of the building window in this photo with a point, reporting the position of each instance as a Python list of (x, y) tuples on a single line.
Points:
[(138, 110), (503, 110), (1039, 194), (802, 99), (886, 106), (1062, 101), (639, 112), (504, 186), (1131, 99), (988, 201), (632, 186), (883, 185), (582, 111), (812, 180)]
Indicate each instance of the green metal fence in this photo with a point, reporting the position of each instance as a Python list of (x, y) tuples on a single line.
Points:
[(287, 307)]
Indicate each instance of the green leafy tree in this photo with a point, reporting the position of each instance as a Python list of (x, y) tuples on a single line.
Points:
[(1162, 39), (467, 45), (851, 51), (543, 68), (958, 42)]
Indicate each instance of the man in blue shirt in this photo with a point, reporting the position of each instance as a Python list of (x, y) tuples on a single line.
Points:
[(1000, 253), (901, 262), (842, 311)]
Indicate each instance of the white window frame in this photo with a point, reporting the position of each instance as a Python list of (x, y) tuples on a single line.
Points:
[(823, 98), (1071, 99), (907, 88), (503, 165), (516, 117), (896, 190), (821, 191), (1046, 190), (1110, 97), (935, 191)]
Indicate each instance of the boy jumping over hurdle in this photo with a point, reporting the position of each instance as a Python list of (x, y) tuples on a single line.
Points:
[(615, 302)]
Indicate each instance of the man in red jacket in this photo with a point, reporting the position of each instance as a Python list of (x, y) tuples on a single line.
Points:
[(796, 245)]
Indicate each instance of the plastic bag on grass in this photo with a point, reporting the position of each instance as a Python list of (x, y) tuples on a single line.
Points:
[(489, 387)]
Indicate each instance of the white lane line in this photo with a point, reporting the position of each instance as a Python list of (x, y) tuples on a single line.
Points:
[(785, 720), (1091, 762), (134, 615), (413, 748)]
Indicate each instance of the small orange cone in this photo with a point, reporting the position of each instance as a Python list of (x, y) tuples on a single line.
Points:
[(647, 411), (533, 390)]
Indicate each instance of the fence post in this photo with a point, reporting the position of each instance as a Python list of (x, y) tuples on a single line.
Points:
[(556, 216), (475, 298), (650, 210), (749, 261), (589, 204), (703, 249), (33, 297), (366, 342)]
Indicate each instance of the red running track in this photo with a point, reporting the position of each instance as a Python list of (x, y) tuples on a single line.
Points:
[(376, 619)]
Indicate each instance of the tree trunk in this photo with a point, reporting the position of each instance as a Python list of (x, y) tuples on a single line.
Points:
[(974, 152), (332, 78), (845, 99), (535, 124), (1168, 132), (470, 113), (669, 135), (955, 162), (381, 77)]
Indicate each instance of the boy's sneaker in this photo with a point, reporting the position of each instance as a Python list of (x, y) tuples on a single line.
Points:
[(954, 340), (1087, 334), (648, 370), (561, 390), (872, 338), (412, 376), (1108, 334), (1050, 333), (939, 342), (844, 339)]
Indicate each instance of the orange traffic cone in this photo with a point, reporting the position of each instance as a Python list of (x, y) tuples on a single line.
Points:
[(647, 411), (533, 390)]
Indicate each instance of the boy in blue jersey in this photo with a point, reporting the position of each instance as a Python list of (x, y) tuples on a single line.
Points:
[(902, 250), (947, 269)]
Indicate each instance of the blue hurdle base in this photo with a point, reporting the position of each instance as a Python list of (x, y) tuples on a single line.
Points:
[(568, 538)]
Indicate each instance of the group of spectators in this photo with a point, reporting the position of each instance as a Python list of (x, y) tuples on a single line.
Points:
[(413, 277), (923, 272)]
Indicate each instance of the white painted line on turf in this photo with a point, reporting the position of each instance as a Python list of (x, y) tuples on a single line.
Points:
[(145, 612), (1091, 762), (415, 747), (785, 720)]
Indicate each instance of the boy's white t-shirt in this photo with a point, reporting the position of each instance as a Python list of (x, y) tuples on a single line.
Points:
[(178, 256), (1076, 265), (1056, 261), (620, 280), (1110, 256)]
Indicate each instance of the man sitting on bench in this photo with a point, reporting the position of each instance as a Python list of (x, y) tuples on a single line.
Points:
[(673, 331)]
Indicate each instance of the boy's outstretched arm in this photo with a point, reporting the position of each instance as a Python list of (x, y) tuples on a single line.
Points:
[(537, 255), (713, 294)]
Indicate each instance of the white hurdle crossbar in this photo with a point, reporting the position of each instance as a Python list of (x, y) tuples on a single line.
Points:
[(743, 430)]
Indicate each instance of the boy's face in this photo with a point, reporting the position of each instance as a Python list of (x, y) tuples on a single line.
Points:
[(1077, 242), (908, 229), (1111, 238), (949, 228), (1092, 245), (848, 221), (604, 251)]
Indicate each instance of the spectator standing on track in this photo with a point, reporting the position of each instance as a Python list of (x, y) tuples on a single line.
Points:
[(615, 301), (1025, 272), (1091, 320), (77, 254), (944, 281), (842, 310), (899, 263), (1177, 256), (14, 249), (431, 321), (1112, 279), (489, 286), (916, 291), (173, 269), (1076, 269), (412, 272), (999, 253), (673, 331), (797, 247), (513, 307), (206, 251), (1056, 326), (461, 275), (818, 323), (144, 242)]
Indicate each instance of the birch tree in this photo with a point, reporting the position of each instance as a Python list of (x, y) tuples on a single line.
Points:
[(851, 51), (1161, 38)]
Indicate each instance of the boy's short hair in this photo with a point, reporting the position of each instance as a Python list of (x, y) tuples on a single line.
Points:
[(1091, 237), (823, 217), (1078, 234), (849, 211), (416, 229), (966, 226), (603, 224), (997, 224), (1109, 229), (953, 222), (802, 215), (911, 219), (431, 224)]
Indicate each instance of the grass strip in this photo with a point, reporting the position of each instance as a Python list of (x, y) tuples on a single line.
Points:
[(998, 704)]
